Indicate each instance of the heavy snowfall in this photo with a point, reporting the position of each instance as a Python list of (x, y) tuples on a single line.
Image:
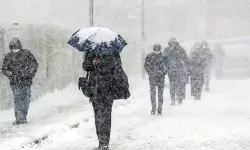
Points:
[(61, 117)]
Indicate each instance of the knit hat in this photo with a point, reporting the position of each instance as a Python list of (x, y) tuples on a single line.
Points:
[(157, 47), (15, 44)]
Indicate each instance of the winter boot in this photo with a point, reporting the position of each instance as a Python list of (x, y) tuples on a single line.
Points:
[(104, 147), (159, 113), (152, 112), (180, 101), (197, 97), (16, 123), (20, 122), (173, 103)]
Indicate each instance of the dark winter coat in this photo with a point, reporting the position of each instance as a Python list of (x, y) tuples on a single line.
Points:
[(208, 56), (20, 67), (155, 66), (107, 77), (177, 63), (198, 63)]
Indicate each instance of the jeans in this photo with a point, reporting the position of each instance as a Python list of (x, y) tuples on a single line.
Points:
[(21, 102)]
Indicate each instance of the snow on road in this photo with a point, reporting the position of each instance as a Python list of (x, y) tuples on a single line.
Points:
[(53, 112), (220, 121)]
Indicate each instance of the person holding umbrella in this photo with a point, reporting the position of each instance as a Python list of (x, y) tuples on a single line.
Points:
[(107, 80)]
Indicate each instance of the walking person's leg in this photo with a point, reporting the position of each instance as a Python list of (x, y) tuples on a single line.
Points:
[(192, 86), (207, 81), (160, 96), (17, 104), (26, 102), (172, 89), (153, 95), (106, 122), (180, 91), (198, 89), (103, 110), (97, 106)]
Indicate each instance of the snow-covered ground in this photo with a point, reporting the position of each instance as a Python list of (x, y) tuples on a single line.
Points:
[(64, 121)]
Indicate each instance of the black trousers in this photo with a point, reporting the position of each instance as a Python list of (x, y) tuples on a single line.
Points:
[(102, 110), (207, 80), (21, 102), (196, 87), (177, 88), (156, 82)]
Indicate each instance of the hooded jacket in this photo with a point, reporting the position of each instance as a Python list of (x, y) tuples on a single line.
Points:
[(19, 67)]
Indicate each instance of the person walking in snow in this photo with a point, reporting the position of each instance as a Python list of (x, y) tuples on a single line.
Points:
[(20, 66), (177, 63), (208, 56), (197, 70), (109, 82), (219, 56), (155, 67)]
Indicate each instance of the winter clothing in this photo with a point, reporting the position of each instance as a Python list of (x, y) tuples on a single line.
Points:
[(157, 47), (177, 63), (107, 77), (208, 56), (15, 44), (21, 103), (173, 40), (20, 66), (198, 65), (108, 82), (102, 110), (155, 67)]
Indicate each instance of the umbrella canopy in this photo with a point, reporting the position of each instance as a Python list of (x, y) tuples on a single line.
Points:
[(97, 40)]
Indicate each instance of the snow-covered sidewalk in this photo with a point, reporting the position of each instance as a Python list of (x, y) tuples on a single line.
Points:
[(220, 121), (52, 113)]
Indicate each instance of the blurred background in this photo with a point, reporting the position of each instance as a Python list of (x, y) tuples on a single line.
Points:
[(44, 27)]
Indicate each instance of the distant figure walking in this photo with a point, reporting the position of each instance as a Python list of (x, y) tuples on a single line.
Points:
[(155, 67)]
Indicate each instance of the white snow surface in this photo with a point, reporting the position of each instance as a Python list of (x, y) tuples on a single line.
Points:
[(96, 35), (220, 121)]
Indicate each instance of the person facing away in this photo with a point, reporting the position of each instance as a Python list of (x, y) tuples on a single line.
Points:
[(208, 56), (20, 67), (109, 82), (219, 56), (197, 70), (155, 68), (177, 63)]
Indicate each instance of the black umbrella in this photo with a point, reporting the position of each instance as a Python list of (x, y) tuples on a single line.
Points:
[(97, 40)]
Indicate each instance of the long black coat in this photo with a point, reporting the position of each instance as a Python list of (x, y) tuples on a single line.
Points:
[(107, 77), (177, 63), (20, 67)]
